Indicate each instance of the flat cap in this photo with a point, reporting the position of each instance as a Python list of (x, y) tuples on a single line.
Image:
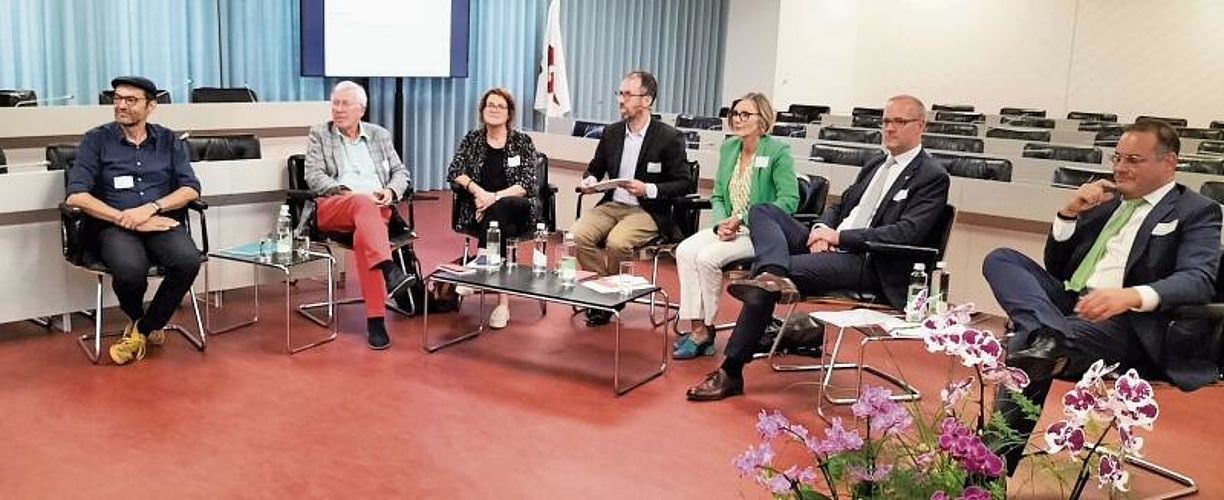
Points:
[(139, 82)]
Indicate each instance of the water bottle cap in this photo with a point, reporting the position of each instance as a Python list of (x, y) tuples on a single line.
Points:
[(920, 267), (492, 223), (540, 226), (941, 264), (284, 210)]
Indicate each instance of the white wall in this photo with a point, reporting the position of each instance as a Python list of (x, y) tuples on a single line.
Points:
[(1126, 56), (751, 48)]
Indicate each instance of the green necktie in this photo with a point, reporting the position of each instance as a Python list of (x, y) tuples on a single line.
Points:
[(1084, 271)]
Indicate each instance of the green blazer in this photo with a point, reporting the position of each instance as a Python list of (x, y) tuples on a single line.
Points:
[(773, 183)]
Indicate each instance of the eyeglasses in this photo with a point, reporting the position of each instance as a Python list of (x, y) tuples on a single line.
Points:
[(627, 95), (1133, 160), (899, 122), (742, 115), (128, 100), (499, 107)]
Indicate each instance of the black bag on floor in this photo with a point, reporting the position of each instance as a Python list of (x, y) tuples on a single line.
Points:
[(804, 336)]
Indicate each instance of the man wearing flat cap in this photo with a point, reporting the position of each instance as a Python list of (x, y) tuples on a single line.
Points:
[(130, 174)]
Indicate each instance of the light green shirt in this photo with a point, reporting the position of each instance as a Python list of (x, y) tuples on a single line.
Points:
[(357, 170)]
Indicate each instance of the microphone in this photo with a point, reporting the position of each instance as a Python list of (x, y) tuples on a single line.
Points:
[(185, 85), (35, 102)]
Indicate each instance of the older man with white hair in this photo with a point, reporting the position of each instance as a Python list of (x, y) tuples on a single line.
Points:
[(354, 171)]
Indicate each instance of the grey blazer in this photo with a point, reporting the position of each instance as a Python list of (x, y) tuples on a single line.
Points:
[(324, 152)]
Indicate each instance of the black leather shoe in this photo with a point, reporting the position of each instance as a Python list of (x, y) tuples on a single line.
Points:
[(596, 317), (1043, 359), (378, 340), (399, 285), (780, 288), (716, 386)]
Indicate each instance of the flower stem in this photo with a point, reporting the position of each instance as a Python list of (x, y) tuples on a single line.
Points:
[(1081, 479)]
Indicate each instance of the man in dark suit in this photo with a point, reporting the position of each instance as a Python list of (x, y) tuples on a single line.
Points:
[(898, 199), (1120, 257), (651, 156)]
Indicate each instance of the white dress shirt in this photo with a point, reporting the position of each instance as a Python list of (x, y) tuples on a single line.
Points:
[(1111, 268), (886, 175), (628, 165)]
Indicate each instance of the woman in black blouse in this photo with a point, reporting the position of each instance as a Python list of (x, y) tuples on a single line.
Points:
[(494, 178)]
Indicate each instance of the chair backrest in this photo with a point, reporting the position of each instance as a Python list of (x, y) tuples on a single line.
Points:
[(810, 112), (1201, 164), (956, 108), (3, 160), (1018, 133), (686, 217), (699, 122), (790, 130), (217, 94), (862, 111), (107, 97), (941, 232), (953, 143), (547, 194), (1093, 116), (1211, 147), (692, 139), (1062, 153), (788, 117), (844, 155), (1213, 134), (1098, 126), (1033, 112), (844, 134), (1175, 122), (1072, 177), (9, 98), (952, 128), (1028, 121), (590, 130), (959, 117), (1108, 134), (724, 111), (61, 155), (1213, 190), (223, 147), (867, 121), (813, 194), (976, 167)]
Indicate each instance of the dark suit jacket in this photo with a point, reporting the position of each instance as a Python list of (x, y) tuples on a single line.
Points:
[(663, 145), (907, 216), (1180, 263)]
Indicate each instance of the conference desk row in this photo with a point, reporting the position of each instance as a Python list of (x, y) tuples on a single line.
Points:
[(990, 214)]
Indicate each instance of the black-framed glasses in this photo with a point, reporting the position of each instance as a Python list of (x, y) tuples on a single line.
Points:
[(627, 95), (742, 115), (128, 100), (499, 107), (899, 122), (1132, 159)]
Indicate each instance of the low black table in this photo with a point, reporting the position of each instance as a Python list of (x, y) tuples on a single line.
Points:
[(520, 281)]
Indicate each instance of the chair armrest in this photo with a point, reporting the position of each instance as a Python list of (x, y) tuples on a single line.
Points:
[(693, 201), (1204, 311), (807, 219), (896, 250), (300, 194), (72, 220), (552, 188), (198, 205)]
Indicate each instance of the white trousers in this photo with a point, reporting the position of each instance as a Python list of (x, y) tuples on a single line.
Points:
[(699, 262)]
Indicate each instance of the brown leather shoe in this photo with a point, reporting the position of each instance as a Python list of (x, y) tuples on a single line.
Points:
[(781, 287), (716, 386)]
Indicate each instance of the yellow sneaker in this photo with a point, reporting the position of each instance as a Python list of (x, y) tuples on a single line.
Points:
[(131, 347), (157, 337)]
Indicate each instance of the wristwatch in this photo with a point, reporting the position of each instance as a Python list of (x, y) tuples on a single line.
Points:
[(157, 206)]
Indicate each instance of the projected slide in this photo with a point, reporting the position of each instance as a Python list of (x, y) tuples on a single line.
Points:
[(384, 38)]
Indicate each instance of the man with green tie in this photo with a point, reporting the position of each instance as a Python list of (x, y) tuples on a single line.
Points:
[(1121, 255)]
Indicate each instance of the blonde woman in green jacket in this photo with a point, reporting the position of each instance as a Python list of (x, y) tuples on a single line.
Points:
[(753, 168)]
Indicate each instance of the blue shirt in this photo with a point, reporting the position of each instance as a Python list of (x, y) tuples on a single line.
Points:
[(357, 171), (124, 175)]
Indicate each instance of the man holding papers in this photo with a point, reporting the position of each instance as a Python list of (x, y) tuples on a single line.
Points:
[(650, 158)]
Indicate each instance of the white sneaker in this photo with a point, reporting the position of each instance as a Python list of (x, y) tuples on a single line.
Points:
[(464, 291), (499, 317)]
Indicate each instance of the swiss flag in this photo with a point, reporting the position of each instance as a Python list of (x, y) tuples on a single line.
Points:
[(552, 87)]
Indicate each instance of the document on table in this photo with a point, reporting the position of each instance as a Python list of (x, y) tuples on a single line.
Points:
[(861, 317)]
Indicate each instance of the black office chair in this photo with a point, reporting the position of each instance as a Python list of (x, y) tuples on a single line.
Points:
[(953, 143), (1211, 147), (1092, 116), (79, 242), (810, 112), (1173, 122), (222, 147), (1215, 191), (1028, 121), (1211, 134), (216, 94), (798, 130), (863, 111), (959, 117), (545, 199), (952, 128), (956, 108), (723, 112), (1098, 127), (1073, 177), (1018, 133), (400, 232), (1062, 153), (699, 122), (845, 155), (1213, 165), (10, 98), (589, 130), (1107, 138), (692, 139), (844, 134), (3, 161), (107, 97), (976, 167), (866, 121), (1032, 112), (788, 117), (60, 156)]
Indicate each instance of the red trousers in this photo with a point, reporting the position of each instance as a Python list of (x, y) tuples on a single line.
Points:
[(358, 214)]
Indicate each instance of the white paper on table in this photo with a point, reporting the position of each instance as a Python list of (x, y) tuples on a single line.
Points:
[(860, 317)]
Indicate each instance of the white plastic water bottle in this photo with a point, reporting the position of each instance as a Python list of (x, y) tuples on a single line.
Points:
[(284, 232), (567, 260), (493, 245), (539, 254), (939, 288), (915, 308)]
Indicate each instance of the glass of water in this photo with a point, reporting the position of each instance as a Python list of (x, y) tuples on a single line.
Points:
[(511, 259), (626, 277)]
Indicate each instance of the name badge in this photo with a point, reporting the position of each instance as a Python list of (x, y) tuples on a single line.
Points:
[(654, 167), (760, 161), (513, 161), (901, 195), (124, 182)]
